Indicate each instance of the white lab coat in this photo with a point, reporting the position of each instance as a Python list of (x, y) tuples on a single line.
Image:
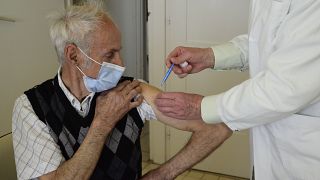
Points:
[(281, 100)]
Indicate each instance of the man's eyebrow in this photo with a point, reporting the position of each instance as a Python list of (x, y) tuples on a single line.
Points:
[(111, 51), (114, 50)]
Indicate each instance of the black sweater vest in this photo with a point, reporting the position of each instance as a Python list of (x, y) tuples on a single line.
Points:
[(121, 155)]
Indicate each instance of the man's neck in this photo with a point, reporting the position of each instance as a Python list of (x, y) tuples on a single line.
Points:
[(73, 81)]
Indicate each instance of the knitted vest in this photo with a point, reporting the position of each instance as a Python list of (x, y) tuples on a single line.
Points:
[(121, 155)]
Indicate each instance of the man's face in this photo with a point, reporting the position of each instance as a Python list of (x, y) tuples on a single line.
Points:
[(105, 46)]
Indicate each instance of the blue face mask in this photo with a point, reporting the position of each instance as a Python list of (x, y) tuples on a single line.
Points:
[(108, 77)]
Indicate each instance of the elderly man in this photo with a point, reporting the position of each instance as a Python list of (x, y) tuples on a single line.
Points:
[(84, 124)]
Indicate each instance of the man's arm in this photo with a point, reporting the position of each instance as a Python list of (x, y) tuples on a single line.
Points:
[(202, 143), (110, 107), (204, 140), (82, 164)]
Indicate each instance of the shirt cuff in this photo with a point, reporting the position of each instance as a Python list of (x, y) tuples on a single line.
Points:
[(209, 111), (226, 56)]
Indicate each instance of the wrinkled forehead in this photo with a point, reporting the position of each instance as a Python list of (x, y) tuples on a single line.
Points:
[(106, 35), (108, 27)]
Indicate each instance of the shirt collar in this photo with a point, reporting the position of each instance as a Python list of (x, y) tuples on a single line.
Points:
[(81, 107)]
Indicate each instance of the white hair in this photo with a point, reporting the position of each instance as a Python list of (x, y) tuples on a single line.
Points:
[(74, 26)]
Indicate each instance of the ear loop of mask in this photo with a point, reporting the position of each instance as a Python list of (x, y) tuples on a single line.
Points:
[(88, 58), (81, 71)]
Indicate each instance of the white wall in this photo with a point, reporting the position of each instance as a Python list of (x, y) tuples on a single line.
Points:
[(27, 56)]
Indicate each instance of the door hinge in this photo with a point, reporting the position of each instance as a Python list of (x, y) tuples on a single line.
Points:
[(169, 20), (147, 12)]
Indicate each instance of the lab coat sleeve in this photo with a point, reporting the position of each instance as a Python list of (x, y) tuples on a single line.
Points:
[(232, 55), (289, 83)]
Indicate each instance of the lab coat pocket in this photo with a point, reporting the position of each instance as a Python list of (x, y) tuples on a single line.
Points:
[(278, 12)]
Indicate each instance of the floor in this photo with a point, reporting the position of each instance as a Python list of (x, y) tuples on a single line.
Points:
[(148, 165)]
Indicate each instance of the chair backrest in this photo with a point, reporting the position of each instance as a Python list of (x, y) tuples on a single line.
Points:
[(7, 164)]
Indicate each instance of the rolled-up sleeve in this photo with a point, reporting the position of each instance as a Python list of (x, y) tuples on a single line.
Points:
[(232, 55)]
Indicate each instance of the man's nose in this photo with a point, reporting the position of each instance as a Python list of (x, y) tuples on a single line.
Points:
[(118, 61)]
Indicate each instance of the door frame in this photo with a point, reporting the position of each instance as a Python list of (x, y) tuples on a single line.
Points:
[(156, 26)]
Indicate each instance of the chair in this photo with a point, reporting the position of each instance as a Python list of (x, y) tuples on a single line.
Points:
[(7, 164)]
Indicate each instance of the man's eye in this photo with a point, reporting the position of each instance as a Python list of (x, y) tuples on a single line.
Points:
[(110, 55)]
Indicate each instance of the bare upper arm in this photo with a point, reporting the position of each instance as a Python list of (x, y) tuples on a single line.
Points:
[(149, 93)]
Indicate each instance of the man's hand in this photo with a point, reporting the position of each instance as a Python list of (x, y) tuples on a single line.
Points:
[(197, 58), (112, 105), (179, 105)]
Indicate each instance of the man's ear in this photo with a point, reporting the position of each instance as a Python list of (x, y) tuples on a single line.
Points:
[(70, 54)]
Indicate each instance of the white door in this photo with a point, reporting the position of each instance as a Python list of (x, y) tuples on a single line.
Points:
[(203, 23)]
